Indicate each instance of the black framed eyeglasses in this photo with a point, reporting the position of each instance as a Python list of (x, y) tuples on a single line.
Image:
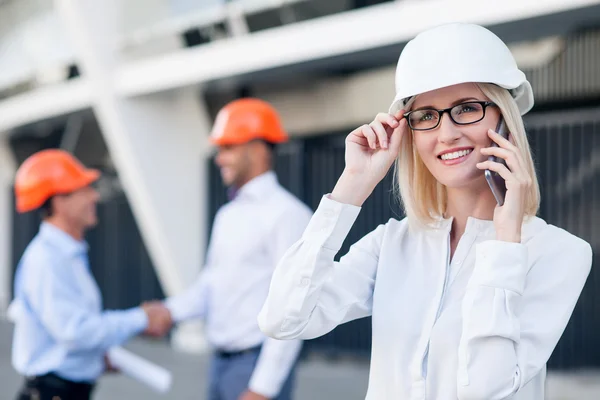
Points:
[(466, 113)]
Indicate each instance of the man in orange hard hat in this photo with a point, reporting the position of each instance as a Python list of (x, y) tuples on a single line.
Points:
[(61, 334), (250, 234)]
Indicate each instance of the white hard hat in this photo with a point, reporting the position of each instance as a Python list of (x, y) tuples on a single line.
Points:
[(458, 53)]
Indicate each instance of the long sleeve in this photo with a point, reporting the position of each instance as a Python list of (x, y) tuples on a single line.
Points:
[(192, 302), (277, 357), (310, 293), (61, 306), (517, 304)]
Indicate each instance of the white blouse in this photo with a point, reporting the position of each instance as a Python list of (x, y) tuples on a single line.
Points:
[(479, 326)]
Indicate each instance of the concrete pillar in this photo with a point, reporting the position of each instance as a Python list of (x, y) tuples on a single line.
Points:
[(156, 143), (7, 172)]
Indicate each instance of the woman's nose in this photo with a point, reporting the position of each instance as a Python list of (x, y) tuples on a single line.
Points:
[(448, 132)]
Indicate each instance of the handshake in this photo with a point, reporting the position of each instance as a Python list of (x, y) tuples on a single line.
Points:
[(159, 318)]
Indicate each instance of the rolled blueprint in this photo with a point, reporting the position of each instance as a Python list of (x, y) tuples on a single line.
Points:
[(140, 369)]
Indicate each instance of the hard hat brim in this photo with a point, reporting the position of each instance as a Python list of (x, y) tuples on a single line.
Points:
[(232, 141), (522, 94)]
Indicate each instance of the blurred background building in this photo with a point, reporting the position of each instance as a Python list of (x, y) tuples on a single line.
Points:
[(132, 87)]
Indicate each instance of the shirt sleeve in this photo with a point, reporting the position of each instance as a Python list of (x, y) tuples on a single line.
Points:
[(310, 293), (517, 304), (53, 295), (192, 302), (277, 358), (275, 362)]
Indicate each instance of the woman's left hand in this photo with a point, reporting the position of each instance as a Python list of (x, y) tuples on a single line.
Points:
[(508, 218)]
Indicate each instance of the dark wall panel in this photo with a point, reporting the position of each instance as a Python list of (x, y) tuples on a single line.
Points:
[(566, 147)]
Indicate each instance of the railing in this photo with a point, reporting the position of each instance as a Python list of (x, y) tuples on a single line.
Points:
[(220, 18)]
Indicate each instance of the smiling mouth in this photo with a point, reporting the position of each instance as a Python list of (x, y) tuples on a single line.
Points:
[(455, 155)]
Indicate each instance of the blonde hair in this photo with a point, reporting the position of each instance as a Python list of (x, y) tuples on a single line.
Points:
[(424, 199)]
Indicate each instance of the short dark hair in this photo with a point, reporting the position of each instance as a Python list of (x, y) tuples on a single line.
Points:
[(46, 208), (271, 146)]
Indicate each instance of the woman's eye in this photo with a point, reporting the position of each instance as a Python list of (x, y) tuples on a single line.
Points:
[(427, 116), (468, 108)]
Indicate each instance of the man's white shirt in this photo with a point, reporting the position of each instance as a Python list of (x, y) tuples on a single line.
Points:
[(249, 236)]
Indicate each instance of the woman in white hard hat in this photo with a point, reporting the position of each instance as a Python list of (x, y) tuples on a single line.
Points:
[(468, 298)]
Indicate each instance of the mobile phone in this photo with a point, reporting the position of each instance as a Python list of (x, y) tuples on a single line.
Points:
[(494, 180)]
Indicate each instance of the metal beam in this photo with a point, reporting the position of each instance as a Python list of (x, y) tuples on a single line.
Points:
[(322, 38), (319, 45), (44, 103), (7, 171)]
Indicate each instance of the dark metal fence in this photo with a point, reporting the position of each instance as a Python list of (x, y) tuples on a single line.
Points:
[(566, 146), (567, 152)]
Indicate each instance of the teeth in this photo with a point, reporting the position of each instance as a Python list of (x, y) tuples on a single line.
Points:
[(456, 154)]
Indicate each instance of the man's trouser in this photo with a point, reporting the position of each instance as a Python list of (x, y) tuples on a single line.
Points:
[(53, 387), (230, 374)]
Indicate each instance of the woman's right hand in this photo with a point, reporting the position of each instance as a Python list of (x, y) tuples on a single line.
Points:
[(370, 151)]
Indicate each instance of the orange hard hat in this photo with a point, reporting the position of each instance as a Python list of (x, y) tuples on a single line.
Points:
[(48, 173), (247, 119)]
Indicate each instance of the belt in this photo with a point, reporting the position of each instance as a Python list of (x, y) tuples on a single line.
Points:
[(237, 353), (53, 380)]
